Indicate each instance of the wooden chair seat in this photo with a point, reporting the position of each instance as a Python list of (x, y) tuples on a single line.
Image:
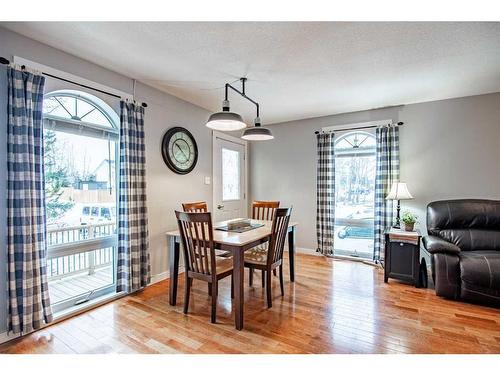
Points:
[(223, 254), (223, 265), (256, 255)]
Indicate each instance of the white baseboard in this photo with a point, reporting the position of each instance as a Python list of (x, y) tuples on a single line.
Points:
[(159, 277), (305, 250), (163, 276)]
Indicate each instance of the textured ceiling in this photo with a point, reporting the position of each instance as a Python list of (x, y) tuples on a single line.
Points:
[(294, 69)]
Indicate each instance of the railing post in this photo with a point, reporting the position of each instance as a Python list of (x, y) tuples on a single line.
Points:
[(92, 253), (91, 262)]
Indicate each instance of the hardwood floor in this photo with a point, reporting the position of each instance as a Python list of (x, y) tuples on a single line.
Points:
[(334, 306)]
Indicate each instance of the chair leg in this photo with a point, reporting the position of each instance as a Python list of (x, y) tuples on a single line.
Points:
[(263, 278), (210, 289), (268, 289), (232, 287), (274, 272), (281, 281), (250, 276), (187, 292), (214, 301)]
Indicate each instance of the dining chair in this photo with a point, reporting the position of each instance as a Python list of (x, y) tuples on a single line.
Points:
[(195, 207), (203, 207), (272, 258), (262, 210), (199, 256)]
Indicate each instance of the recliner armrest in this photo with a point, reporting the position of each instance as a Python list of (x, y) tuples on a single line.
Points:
[(435, 245)]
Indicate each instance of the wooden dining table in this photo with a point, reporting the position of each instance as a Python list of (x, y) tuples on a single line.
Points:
[(237, 244)]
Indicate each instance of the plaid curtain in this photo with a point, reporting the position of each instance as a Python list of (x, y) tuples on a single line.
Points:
[(134, 270), (387, 172), (325, 193), (28, 294)]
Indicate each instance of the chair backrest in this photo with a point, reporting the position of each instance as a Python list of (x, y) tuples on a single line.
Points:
[(195, 207), (197, 241), (278, 235), (264, 210), (471, 224)]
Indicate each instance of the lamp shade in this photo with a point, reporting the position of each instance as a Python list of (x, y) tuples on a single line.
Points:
[(257, 133), (225, 121), (399, 191)]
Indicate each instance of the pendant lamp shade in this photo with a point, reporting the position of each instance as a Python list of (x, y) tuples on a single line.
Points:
[(257, 133), (225, 121)]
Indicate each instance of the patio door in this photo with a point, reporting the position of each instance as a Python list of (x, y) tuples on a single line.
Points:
[(355, 163), (80, 160), (229, 177)]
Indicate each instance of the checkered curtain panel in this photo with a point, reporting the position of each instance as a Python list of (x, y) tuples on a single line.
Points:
[(134, 270), (387, 172), (28, 293), (325, 193)]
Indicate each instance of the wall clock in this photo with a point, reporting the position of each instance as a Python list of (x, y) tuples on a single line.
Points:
[(179, 150)]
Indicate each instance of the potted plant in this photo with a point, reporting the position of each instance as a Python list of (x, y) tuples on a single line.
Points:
[(408, 219)]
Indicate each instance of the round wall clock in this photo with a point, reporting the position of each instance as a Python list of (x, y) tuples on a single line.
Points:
[(179, 150)]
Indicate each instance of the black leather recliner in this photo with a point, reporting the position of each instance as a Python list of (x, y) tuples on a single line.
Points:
[(464, 243)]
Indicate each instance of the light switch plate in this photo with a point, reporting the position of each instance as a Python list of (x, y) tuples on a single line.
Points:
[(207, 180)]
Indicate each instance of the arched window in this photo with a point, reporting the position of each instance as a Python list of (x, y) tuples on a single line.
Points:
[(354, 193), (355, 142), (81, 134), (72, 111)]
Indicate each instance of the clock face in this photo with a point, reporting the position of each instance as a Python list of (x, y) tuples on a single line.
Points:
[(179, 150)]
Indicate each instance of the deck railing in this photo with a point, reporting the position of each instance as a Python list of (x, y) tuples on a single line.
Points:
[(87, 249)]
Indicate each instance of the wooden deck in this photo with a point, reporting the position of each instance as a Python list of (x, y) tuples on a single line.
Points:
[(334, 306), (78, 284)]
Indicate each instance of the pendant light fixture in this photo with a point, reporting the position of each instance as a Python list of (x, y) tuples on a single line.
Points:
[(257, 133), (229, 121), (225, 121)]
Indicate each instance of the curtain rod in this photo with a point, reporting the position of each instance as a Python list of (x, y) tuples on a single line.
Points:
[(400, 123), (4, 61)]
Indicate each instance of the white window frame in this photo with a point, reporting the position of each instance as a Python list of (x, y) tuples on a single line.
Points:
[(112, 133), (367, 152)]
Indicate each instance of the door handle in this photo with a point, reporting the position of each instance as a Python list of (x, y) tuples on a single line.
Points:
[(220, 206)]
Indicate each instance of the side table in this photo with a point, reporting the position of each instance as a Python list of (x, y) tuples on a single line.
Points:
[(402, 257)]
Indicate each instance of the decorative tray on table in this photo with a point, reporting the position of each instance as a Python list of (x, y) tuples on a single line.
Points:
[(239, 226)]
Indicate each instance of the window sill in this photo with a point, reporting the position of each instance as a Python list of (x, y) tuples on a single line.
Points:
[(76, 310)]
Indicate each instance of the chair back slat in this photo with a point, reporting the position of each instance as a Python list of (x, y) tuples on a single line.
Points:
[(197, 240), (264, 210), (195, 207), (278, 235)]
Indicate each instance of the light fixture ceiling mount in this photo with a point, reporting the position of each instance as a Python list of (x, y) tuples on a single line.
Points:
[(230, 121)]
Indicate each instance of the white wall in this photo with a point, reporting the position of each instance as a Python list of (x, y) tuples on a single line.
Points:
[(165, 189), (449, 149)]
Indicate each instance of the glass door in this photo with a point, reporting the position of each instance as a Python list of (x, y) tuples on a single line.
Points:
[(355, 163), (229, 169), (80, 161)]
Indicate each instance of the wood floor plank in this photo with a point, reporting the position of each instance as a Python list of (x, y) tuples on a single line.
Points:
[(334, 306)]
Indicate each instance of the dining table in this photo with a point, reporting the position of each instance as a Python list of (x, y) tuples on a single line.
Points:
[(237, 244)]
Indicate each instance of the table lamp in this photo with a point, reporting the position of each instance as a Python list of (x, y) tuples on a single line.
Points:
[(399, 191)]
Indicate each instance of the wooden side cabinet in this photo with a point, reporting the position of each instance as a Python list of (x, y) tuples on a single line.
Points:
[(402, 256)]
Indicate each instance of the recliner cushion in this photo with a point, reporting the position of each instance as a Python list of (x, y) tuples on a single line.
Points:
[(481, 268), (472, 239)]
